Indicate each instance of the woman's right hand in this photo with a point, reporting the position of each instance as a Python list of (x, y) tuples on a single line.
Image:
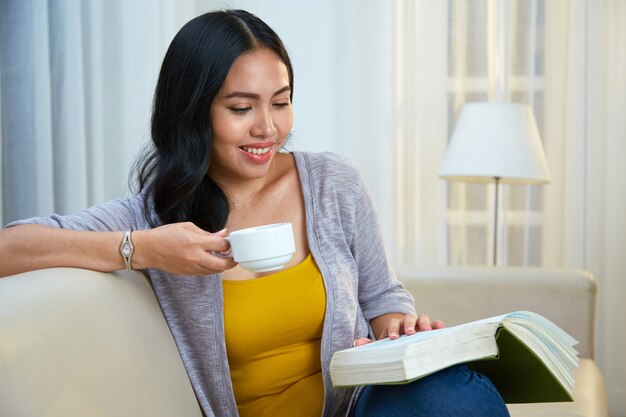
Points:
[(181, 249)]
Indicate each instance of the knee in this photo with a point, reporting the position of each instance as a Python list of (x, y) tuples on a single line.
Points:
[(455, 391), (472, 393)]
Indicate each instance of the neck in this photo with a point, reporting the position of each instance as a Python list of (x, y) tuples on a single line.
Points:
[(241, 192)]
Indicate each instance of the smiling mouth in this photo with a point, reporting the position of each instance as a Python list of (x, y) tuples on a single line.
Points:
[(256, 151)]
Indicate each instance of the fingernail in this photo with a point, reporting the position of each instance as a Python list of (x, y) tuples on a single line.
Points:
[(223, 232)]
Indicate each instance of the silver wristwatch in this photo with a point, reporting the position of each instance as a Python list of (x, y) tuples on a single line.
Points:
[(127, 249)]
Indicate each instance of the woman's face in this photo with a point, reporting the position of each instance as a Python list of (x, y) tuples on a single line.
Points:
[(251, 116)]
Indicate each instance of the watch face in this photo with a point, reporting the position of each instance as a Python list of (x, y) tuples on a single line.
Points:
[(126, 249)]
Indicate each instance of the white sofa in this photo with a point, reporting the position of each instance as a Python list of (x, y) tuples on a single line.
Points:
[(82, 343), (565, 296)]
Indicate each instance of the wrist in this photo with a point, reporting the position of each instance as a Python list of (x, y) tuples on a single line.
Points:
[(140, 253), (127, 249)]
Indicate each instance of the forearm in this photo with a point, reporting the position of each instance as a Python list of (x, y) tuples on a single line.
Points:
[(29, 247)]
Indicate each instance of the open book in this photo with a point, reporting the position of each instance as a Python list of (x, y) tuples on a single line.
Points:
[(534, 358)]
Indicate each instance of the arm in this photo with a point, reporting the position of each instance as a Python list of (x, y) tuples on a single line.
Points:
[(180, 248), (31, 246), (379, 292), (91, 239), (383, 299)]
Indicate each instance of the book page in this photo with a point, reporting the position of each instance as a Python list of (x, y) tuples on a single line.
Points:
[(555, 331)]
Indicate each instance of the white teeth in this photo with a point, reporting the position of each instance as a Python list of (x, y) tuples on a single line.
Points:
[(256, 151)]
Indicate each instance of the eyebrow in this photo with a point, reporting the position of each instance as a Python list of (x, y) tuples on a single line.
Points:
[(253, 95)]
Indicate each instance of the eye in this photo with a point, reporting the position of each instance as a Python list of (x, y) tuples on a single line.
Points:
[(282, 105), (240, 110)]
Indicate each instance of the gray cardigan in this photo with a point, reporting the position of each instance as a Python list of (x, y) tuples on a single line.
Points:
[(345, 240)]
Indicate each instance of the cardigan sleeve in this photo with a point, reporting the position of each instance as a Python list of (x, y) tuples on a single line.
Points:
[(114, 215), (380, 292)]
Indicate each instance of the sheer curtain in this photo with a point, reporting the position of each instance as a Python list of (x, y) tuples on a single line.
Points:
[(76, 83), (586, 120), (476, 30), (446, 58), (566, 60)]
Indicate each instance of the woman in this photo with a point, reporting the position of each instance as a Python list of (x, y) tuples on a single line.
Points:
[(252, 344)]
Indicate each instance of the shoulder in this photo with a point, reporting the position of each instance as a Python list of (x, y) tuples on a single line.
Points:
[(331, 182), (329, 172), (327, 163)]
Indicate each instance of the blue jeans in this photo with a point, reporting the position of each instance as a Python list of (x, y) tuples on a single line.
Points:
[(452, 392)]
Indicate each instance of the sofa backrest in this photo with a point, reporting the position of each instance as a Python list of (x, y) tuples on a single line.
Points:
[(460, 294), (82, 343)]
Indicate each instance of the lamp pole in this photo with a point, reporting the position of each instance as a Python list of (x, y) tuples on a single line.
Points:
[(495, 222)]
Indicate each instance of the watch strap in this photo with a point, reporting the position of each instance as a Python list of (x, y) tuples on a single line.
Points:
[(127, 249)]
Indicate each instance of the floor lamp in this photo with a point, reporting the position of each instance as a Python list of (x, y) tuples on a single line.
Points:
[(495, 142)]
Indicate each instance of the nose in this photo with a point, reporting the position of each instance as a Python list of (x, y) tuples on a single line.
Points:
[(263, 124)]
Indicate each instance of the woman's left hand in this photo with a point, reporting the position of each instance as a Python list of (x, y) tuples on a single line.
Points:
[(393, 325)]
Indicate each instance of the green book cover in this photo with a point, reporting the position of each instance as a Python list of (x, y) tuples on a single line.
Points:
[(518, 374)]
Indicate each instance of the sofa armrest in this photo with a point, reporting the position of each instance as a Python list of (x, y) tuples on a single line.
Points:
[(75, 342), (460, 294)]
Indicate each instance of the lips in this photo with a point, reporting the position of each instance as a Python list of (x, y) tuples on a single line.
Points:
[(257, 153)]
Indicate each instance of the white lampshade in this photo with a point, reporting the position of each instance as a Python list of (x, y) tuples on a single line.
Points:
[(496, 140)]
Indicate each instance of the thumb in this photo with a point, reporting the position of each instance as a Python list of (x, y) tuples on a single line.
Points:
[(222, 233), (361, 341)]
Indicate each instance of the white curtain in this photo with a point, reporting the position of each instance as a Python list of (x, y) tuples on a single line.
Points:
[(586, 115), (448, 59), (421, 128), (566, 60), (494, 55), (77, 79)]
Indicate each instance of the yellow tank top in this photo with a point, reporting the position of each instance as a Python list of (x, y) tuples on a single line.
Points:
[(273, 327)]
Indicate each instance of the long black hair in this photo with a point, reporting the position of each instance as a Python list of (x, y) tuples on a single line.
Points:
[(173, 171)]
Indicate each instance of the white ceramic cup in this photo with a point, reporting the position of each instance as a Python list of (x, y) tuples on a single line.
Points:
[(263, 248)]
